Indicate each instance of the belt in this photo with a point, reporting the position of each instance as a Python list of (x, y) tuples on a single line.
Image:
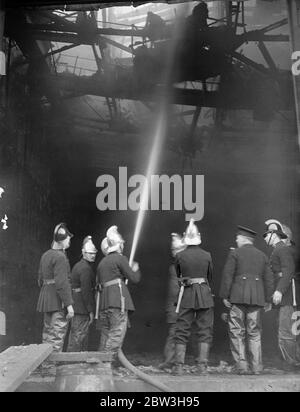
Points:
[(119, 283), (77, 290), (49, 282), (194, 281), (112, 282), (188, 282)]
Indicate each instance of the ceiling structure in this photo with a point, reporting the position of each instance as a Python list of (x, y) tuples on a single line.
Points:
[(80, 4)]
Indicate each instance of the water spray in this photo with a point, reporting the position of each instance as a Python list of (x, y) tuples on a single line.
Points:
[(159, 137)]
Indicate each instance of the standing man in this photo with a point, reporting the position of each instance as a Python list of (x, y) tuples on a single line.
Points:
[(195, 301), (282, 263), (177, 246), (55, 300), (247, 285), (83, 285), (115, 299)]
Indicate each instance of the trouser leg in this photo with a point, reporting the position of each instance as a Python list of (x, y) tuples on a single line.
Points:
[(78, 333), (103, 326), (237, 334), (183, 326), (204, 331), (253, 322), (169, 349), (117, 330), (287, 341), (182, 334), (55, 329)]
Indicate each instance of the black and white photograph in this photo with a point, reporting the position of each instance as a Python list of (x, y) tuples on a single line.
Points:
[(149, 198)]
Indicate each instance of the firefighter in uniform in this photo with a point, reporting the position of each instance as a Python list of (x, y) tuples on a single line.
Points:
[(246, 287), (83, 285), (195, 301), (177, 246), (115, 299), (282, 262), (55, 299)]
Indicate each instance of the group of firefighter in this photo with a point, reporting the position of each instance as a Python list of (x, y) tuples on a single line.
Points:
[(250, 283)]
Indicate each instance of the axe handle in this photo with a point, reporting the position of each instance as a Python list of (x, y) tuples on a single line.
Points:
[(97, 304)]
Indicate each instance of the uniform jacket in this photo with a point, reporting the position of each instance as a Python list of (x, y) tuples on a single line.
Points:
[(115, 266), (55, 265), (282, 263), (172, 295), (194, 262), (83, 277), (247, 278)]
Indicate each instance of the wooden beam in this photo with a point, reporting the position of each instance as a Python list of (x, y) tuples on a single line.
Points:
[(80, 357), (17, 363)]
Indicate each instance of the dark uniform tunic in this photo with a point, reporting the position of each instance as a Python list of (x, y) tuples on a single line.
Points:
[(83, 277), (194, 262), (55, 296), (282, 262), (113, 317), (171, 316), (54, 265), (172, 295), (197, 301), (83, 285), (247, 278), (248, 284), (116, 266)]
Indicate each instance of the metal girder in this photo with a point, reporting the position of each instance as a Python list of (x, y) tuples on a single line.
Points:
[(82, 4), (267, 56), (98, 86)]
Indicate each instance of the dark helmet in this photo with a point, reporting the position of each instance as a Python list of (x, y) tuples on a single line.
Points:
[(61, 232)]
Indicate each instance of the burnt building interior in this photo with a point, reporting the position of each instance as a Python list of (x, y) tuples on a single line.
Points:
[(79, 93)]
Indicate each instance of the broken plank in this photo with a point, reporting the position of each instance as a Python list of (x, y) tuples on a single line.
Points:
[(17, 363), (80, 356)]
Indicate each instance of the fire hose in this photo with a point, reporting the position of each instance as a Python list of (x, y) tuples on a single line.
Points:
[(125, 362), (149, 379)]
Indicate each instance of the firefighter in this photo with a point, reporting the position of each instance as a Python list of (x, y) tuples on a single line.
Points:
[(177, 246), (246, 287), (83, 285), (282, 262), (155, 27), (199, 16), (115, 299), (55, 299), (195, 301)]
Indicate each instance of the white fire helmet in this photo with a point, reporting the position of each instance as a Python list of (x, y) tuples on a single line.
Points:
[(289, 233), (177, 243), (192, 236), (88, 245), (274, 226), (114, 239), (104, 246)]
